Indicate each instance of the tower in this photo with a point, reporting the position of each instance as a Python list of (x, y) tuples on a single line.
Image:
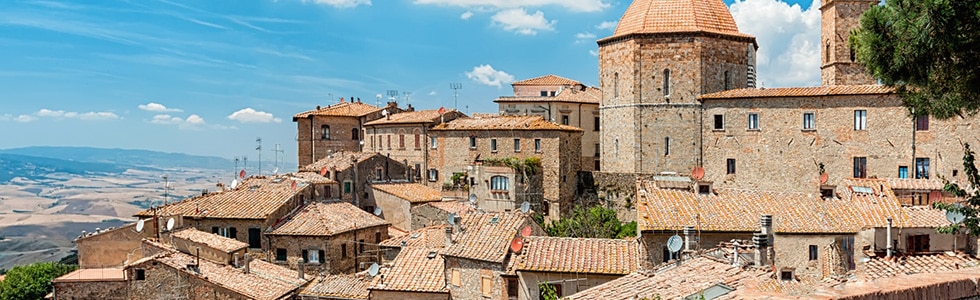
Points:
[(838, 18), (662, 56)]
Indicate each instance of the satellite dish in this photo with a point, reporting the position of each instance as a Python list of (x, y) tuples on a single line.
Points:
[(323, 171), (675, 243), (525, 207), (526, 231), (275, 171), (234, 184), (242, 173), (955, 217), (170, 224), (377, 211), (697, 173), (472, 198), (452, 219), (935, 196), (293, 186), (374, 269), (384, 112), (823, 178), (139, 225), (517, 244)]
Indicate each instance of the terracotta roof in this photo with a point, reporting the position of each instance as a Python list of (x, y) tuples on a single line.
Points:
[(416, 117), (415, 270), (924, 217), (311, 178), (255, 198), (339, 160), (344, 286), (733, 210), (264, 280), (90, 275), (915, 184), (453, 207), (486, 236), (326, 219), (576, 255), (209, 239), (411, 192), (833, 90), (346, 109), (550, 79), (504, 123), (590, 95), (431, 237), (880, 267), (669, 16)]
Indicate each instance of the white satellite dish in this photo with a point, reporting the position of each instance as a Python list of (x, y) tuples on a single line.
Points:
[(525, 207), (374, 269), (473, 198), (139, 225), (234, 184), (170, 224), (275, 171), (955, 217), (377, 211), (675, 243), (384, 112), (452, 219)]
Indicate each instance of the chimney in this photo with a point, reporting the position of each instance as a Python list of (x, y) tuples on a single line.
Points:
[(235, 262), (317, 107), (888, 239), (688, 232), (246, 263), (761, 242), (449, 236), (341, 99), (766, 224), (300, 265)]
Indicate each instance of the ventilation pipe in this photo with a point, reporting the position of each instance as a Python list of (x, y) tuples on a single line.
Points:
[(766, 224), (688, 232), (300, 266), (761, 242), (888, 239), (248, 261), (449, 236)]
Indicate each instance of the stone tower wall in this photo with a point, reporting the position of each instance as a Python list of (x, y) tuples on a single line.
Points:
[(838, 18)]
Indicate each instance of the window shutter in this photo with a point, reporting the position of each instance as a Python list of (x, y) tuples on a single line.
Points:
[(306, 256), (322, 257), (232, 233), (214, 229)]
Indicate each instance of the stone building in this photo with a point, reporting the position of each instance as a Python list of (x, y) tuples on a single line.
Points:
[(559, 100), (337, 127), (396, 201), (434, 213), (461, 145), (417, 273), (404, 136), (838, 18), (329, 237), (114, 247), (354, 171), (583, 263)]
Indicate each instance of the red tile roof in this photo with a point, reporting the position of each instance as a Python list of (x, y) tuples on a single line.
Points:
[(576, 255), (486, 236), (454, 207), (550, 79), (669, 16), (264, 280), (880, 267), (326, 219), (209, 239), (504, 123), (834, 90), (590, 95), (411, 192), (255, 198), (432, 237), (92, 275), (415, 270), (924, 217), (339, 160), (416, 117), (310, 178), (915, 184), (343, 286), (346, 109)]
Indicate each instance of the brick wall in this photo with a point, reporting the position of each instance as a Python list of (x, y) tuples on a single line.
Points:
[(402, 146), (311, 144), (581, 115)]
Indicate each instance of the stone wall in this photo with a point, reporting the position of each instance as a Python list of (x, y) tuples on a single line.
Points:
[(113, 248), (405, 144), (161, 279), (427, 215), (581, 115), (393, 209), (471, 274), (336, 260), (311, 144), (617, 191), (838, 18), (107, 290), (396, 295)]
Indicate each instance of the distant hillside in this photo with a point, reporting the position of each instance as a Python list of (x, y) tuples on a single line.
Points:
[(13, 165), (143, 158)]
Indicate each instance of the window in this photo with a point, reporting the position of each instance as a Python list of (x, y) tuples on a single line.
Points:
[(377, 237), (903, 171), (499, 183), (433, 175), (255, 238), (786, 274), (517, 145), (361, 248), (545, 207), (753, 121), (808, 121), (472, 142), (493, 145), (378, 174), (486, 286), (730, 166), (921, 168), (860, 119), (327, 191), (311, 256), (433, 143), (666, 82), (922, 123), (512, 288), (401, 141), (343, 250), (544, 93), (704, 189), (917, 243), (595, 124), (727, 80), (826, 192), (719, 123), (280, 254), (418, 171), (813, 252), (597, 150), (616, 85), (454, 278), (418, 141), (537, 145), (388, 141), (666, 146), (354, 134), (140, 274), (325, 132), (860, 167), (826, 52), (553, 93), (564, 120), (347, 187), (228, 232)]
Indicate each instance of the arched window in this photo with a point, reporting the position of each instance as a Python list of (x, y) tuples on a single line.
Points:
[(616, 85), (666, 82), (499, 183), (325, 132), (354, 134)]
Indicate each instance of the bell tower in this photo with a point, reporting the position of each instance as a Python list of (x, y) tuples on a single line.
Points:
[(838, 66)]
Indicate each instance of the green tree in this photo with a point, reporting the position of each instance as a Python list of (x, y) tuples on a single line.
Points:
[(31, 281), (548, 291), (969, 207), (591, 222), (929, 50)]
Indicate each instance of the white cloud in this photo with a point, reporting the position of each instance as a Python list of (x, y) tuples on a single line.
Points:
[(573, 5), (789, 40), (166, 120), (25, 118), (594, 53), (192, 122), (95, 116), (486, 75), (249, 115), (433, 93), (583, 37), (195, 120), (61, 114), (466, 15), (157, 107), (44, 112), (340, 3), (607, 25), (518, 20)]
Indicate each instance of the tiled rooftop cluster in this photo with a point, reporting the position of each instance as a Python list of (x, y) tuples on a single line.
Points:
[(432, 237), (504, 123), (486, 236), (880, 267), (415, 269), (411, 117), (343, 109), (342, 286), (327, 219), (548, 80), (263, 281), (209, 239), (255, 198)]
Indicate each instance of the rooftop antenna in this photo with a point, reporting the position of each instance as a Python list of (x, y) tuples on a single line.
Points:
[(456, 86), (331, 98), (237, 159), (258, 147), (278, 151), (166, 189), (378, 104), (408, 96), (393, 95), (244, 165)]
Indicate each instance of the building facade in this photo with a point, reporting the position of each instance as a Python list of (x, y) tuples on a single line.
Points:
[(403, 136), (337, 127)]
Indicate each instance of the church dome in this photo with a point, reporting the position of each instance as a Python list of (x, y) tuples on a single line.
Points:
[(670, 16)]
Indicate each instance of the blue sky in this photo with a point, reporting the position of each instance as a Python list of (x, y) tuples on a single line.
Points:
[(209, 77)]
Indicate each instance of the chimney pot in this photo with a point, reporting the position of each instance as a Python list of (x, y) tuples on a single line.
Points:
[(300, 264), (449, 236), (761, 242), (247, 262), (688, 232)]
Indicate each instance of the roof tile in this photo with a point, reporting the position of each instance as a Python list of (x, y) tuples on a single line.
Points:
[(833, 90), (504, 123), (416, 117), (255, 198), (345, 286), (345, 109), (326, 219), (590, 95), (578, 255), (264, 280), (549, 79), (669, 16), (432, 237), (411, 192), (209, 239), (415, 270), (486, 236)]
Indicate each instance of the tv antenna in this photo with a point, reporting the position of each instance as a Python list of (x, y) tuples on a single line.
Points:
[(378, 104), (166, 189), (393, 95), (408, 97), (456, 86), (278, 151), (258, 148)]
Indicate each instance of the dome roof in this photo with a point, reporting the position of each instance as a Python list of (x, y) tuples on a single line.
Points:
[(667, 16)]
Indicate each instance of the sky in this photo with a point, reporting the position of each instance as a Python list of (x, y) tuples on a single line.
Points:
[(211, 77)]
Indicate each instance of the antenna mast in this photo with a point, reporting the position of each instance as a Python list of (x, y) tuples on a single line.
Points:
[(278, 151), (393, 95), (408, 96), (258, 147), (456, 86), (235, 171)]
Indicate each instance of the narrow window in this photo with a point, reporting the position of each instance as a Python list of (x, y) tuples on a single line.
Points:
[(903, 172), (418, 142), (537, 145), (354, 134), (597, 149), (388, 141), (753, 121), (922, 123), (140, 274), (378, 174), (401, 141), (826, 53), (666, 82), (813, 252), (455, 278), (921, 168), (808, 121), (433, 175), (325, 132), (512, 288), (860, 167), (493, 145), (486, 286), (852, 55), (730, 166), (727, 80), (347, 186), (564, 120), (595, 124), (377, 237), (472, 142), (499, 183), (719, 122), (666, 146), (860, 119), (328, 191), (361, 248), (616, 85), (433, 143), (517, 145), (343, 250)]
